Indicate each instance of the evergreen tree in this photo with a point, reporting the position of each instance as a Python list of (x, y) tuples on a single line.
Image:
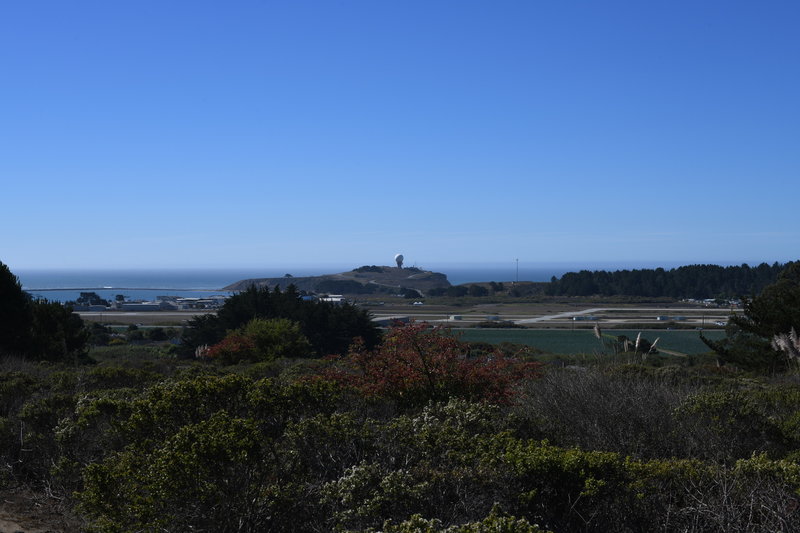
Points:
[(774, 311), (16, 317), (37, 329), (777, 309), (330, 328), (693, 281), (58, 334)]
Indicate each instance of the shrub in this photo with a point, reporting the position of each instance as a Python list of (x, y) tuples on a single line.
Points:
[(496, 522), (261, 340), (206, 473), (329, 328), (417, 364), (276, 338), (725, 424), (198, 453), (233, 349), (157, 334), (623, 411), (116, 377)]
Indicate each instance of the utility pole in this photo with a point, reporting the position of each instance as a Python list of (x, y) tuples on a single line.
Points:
[(517, 270)]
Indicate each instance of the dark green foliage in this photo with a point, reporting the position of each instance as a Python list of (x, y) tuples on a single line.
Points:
[(205, 451), (329, 328), (724, 424), (776, 310), (694, 281), (15, 387), (91, 298), (367, 268), (346, 286), (204, 330), (497, 287), (157, 334), (37, 329), (478, 291), (495, 522), (206, 473), (99, 335), (261, 340), (58, 334), (38, 421), (135, 336), (746, 350), (277, 338), (409, 293), (118, 377), (15, 314), (233, 454), (149, 443), (457, 291)]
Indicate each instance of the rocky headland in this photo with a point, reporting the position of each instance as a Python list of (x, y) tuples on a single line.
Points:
[(363, 280)]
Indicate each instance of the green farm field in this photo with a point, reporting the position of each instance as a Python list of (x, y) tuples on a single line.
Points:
[(583, 341)]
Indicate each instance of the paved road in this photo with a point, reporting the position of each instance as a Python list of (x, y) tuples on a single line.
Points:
[(557, 316), (522, 319), (640, 314), (710, 314)]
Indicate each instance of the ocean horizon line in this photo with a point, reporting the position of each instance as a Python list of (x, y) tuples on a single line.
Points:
[(66, 284)]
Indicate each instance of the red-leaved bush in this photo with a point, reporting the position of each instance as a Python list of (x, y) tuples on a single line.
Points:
[(232, 349), (417, 363)]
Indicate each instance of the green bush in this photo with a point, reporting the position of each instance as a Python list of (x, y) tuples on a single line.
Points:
[(496, 522), (329, 328), (277, 338), (206, 473), (15, 387), (115, 377), (197, 451), (725, 424)]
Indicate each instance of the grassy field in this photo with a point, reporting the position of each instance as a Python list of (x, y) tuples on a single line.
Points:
[(584, 341)]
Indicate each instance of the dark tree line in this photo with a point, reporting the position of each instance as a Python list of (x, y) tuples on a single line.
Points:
[(329, 328), (347, 286), (457, 291), (36, 328), (693, 281), (369, 268)]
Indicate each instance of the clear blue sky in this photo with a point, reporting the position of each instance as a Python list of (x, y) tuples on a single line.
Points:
[(249, 133)]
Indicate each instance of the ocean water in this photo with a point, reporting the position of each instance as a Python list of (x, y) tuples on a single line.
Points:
[(146, 284), (65, 285)]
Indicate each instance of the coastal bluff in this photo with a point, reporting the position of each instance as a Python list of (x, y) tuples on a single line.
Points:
[(363, 280)]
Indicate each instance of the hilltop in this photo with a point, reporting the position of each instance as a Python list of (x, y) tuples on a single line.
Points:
[(363, 280)]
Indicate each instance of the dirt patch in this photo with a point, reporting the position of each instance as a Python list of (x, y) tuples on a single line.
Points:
[(22, 510)]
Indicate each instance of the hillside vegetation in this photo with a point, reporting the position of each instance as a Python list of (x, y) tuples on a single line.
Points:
[(260, 428)]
